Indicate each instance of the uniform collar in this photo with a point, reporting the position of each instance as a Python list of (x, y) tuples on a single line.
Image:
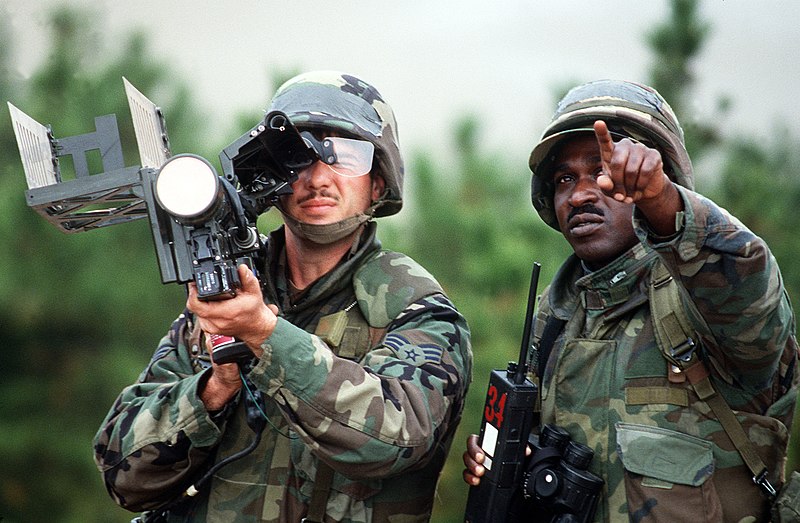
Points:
[(615, 288), (327, 285)]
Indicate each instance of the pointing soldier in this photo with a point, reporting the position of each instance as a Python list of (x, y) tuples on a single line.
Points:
[(611, 173)]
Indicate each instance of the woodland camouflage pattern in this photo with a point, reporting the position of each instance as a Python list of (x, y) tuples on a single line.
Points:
[(384, 423), (332, 100), (662, 454)]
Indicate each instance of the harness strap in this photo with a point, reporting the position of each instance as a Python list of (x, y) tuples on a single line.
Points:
[(674, 336), (552, 329), (319, 496), (348, 335)]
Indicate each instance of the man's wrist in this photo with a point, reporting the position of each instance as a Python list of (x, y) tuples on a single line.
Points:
[(256, 342), (218, 391), (663, 214)]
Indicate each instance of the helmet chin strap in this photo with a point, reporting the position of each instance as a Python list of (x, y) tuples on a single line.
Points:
[(330, 232)]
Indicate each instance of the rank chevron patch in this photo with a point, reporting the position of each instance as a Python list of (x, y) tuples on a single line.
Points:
[(413, 353)]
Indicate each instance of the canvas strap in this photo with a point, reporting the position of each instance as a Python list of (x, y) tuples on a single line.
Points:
[(319, 496), (348, 335), (677, 339)]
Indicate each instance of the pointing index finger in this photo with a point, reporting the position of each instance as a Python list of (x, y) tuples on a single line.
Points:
[(604, 140), (606, 144)]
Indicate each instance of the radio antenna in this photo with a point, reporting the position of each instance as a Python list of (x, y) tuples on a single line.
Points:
[(522, 363)]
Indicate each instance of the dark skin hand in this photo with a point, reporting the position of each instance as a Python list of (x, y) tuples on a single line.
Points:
[(632, 173), (473, 461)]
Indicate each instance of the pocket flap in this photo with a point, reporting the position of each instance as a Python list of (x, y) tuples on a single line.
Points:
[(664, 454)]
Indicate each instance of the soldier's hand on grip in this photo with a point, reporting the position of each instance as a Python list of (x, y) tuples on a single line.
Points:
[(473, 460)]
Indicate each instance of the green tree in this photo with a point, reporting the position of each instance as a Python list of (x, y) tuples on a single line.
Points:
[(675, 43), (81, 313)]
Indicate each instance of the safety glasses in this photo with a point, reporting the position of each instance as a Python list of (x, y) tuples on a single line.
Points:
[(345, 156)]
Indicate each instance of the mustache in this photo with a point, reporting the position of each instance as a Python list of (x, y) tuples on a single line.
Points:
[(318, 194), (585, 209)]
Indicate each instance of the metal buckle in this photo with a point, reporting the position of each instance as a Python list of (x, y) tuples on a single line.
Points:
[(684, 351), (766, 487)]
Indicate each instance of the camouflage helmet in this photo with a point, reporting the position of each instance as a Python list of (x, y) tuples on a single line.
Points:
[(630, 110), (333, 101)]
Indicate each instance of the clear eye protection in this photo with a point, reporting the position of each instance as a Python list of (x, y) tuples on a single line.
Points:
[(345, 156)]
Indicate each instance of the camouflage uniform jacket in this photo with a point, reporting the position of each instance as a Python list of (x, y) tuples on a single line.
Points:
[(383, 421), (661, 452)]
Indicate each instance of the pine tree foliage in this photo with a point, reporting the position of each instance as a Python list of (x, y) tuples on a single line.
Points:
[(82, 313)]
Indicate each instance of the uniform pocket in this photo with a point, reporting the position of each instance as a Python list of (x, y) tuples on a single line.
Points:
[(667, 475)]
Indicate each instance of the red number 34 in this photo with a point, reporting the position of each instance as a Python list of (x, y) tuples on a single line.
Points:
[(494, 408)]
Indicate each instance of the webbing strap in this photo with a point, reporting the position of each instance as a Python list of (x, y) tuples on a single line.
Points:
[(552, 329), (347, 334), (650, 395), (319, 496), (674, 336)]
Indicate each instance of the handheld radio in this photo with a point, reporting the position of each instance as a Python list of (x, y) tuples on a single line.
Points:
[(507, 420)]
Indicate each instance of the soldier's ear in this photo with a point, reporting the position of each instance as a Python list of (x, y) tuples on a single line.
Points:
[(378, 186)]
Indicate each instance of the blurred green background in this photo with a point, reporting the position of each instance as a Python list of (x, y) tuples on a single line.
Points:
[(81, 314)]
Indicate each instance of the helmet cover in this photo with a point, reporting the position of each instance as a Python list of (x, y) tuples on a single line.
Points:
[(630, 110), (334, 101)]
